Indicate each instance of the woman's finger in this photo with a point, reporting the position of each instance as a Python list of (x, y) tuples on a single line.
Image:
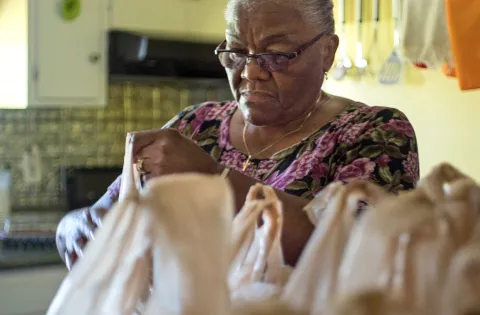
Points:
[(151, 168), (158, 172), (152, 155), (141, 139), (146, 177), (144, 165), (149, 158)]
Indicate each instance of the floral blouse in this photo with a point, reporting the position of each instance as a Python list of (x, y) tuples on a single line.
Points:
[(374, 143)]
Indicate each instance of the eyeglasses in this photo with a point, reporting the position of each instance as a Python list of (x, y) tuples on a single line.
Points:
[(270, 61)]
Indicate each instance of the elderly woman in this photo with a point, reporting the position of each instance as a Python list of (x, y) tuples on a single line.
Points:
[(281, 129)]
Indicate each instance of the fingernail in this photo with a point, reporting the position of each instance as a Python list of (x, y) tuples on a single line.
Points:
[(68, 263), (79, 251), (131, 137), (77, 247)]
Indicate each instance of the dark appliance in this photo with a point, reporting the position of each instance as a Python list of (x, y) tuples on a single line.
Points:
[(133, 54), (85, 185)]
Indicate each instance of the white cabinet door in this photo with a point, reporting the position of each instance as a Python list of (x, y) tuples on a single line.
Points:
[(68, 58)]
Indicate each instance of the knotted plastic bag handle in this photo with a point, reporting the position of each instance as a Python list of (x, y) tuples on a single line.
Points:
[(131, 183)]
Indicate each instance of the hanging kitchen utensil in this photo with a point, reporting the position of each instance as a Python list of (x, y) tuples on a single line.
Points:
[(373, 51), (360, 61), (344, 63), (392, 68)]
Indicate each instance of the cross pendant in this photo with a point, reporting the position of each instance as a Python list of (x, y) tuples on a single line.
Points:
[(246, 163)]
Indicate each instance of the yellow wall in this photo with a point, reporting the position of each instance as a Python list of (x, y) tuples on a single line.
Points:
[(13, 53), (446, 120), (185, 19)]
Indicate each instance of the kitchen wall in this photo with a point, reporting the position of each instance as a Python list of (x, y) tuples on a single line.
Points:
[(446, 119), (89, 137)]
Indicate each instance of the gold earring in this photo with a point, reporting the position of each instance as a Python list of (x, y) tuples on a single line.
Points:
[(326, 75)]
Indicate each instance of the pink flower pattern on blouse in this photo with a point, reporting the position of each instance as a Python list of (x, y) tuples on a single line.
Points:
[(361, 168), (373, 143), (383, 160), (296, 171), (353, 132), (411, 165)]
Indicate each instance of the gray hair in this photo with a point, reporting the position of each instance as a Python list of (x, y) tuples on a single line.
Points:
[(317, 12)]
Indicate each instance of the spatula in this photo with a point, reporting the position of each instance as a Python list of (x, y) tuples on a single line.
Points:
[(391, 70), (344, 63), (360, 61), (373, 50)]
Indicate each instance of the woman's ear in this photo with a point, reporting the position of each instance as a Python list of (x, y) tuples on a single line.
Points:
[(330, 45)]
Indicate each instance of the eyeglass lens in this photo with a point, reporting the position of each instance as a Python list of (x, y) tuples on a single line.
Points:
[(269, 62)]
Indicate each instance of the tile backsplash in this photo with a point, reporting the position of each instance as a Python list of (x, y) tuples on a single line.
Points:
[(89, 137)]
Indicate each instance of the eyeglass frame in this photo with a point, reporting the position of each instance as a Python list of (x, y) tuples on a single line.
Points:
[(289, 55)]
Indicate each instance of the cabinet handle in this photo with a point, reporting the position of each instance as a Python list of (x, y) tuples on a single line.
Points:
[(94, 57)]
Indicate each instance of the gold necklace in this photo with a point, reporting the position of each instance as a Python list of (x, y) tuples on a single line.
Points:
[(249, 158)]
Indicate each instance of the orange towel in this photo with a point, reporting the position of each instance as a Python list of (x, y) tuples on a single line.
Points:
[(463, 17), (449, 70)]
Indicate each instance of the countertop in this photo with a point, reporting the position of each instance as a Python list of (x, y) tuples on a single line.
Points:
[(28, 250), (27, 240)]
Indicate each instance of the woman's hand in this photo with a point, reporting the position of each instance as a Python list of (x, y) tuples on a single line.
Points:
[(75, 231), (166, 151)]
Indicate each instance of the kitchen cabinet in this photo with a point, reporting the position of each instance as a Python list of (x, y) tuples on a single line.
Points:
[(29, 291), (198, 20), (49, 60)]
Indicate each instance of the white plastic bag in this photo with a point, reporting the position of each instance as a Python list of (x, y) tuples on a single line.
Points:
[(457, 195), (316, 208), (313, 283), (192, 216), (265, 307), (462, 289), (258, 270), (113, 274), (179, 226), (370, 302), (402, 246)]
